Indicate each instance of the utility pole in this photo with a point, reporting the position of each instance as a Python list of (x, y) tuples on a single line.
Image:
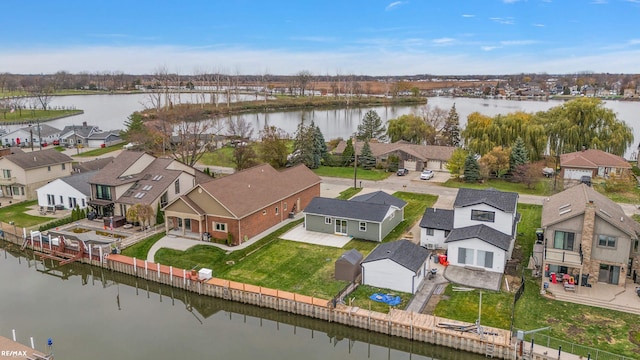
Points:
[(39, 138), (75, 139), (31, 136), (355, 162)]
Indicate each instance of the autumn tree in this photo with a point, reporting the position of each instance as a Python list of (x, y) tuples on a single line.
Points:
[(497, 161), (371, 127), (272, 148), (455, 164), (244, 156), (411, 128), (140, 213)]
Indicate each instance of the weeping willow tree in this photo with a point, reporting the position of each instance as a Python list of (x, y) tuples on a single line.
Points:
[(586, 123)]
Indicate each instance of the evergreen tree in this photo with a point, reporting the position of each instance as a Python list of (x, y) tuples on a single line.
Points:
[(160, 215), (519, 155), (471, 169), (371, 127), (366, 158), (348, 154), (320, 146), (308, 146), (451, 129)]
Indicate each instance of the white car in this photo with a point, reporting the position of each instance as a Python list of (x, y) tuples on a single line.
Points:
[(426, 174), (129, 146)]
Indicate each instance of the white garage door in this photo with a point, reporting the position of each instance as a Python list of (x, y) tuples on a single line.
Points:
[(410, 165), (576, 174)]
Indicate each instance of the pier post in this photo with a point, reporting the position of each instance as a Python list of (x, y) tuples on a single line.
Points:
[(135, 267), (158, 264), (32, 345), (171, 274), (13, 332), (146, 272)]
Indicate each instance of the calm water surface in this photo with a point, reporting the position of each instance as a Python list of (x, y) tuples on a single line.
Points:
[(91, 313)]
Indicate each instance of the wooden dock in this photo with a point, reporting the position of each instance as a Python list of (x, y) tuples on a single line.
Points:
[(10, 349)]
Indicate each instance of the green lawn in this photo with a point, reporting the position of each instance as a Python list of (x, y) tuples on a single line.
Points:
[(360, 298), (33, 115), (347, 172), (141, 250), (349, 193), (220, 157), (17, 214), (286, 265), (99, 151), (543, 187)]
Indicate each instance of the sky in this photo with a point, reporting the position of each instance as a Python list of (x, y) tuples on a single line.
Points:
[(284, 37)]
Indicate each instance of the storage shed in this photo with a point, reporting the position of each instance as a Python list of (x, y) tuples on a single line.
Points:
[(348, 266)]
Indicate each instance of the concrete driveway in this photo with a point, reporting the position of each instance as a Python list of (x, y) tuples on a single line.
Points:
[(300, 234)]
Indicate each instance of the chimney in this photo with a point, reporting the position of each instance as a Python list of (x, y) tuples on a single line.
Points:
[(84, 124)]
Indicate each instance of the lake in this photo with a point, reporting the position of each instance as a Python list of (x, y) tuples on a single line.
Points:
[(92, 313), (110, 112)]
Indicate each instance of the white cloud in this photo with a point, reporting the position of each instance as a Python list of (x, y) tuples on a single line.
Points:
[(394, 5), (322, 39), (600, 2), (510, 1), (443, 41), (518, 42), (489, 48), (538, 25), (468, 15), (503, 21)]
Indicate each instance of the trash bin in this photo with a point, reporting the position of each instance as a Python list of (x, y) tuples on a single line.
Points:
[(553, 278), (436, 258), (545, 285)]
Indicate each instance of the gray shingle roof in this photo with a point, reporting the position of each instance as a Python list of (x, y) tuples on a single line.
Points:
[(380, 197), (403, 252), (440, 219), (505, 201), (36, 159), (482, 232), (92, 165), (45, 130), (80, 181), (352, 256), (347, 209)]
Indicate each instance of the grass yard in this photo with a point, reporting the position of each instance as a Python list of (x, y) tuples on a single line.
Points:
[(349, 193), (99, 151), (543, 187), (360, 298), (141, 249), (220, 157), (17, 213), (347, 172), (33, 115), (416, 205)]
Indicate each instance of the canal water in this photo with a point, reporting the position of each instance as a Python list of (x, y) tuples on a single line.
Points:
[(93, 313)]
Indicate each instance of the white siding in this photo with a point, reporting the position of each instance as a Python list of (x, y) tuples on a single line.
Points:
[(576, 174), (499, 255), (437, 239), (503, 221), (388, 274), (59, 188)]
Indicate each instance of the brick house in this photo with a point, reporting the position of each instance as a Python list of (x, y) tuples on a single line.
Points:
[(242, 205), (592, 163)]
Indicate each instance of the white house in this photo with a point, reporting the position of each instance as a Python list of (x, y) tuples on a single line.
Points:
[(478, 233), (40, 133), (69, 191), (399, 265), (435, 226)]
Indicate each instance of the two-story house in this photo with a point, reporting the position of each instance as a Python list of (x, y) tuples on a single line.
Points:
[(135, 177), (24, 172), (479, 232), (77, 135), (589, 237)]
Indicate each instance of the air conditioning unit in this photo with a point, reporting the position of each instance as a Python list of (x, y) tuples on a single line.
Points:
[(430, 246)]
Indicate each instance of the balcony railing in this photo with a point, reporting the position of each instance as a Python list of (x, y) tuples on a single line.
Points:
[(563, 256)]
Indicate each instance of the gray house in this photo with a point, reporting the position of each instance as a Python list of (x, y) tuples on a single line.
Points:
[(397, 265), (369, 217)]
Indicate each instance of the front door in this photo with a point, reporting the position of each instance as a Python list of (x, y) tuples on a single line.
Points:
[(341, 227), (609, 274)]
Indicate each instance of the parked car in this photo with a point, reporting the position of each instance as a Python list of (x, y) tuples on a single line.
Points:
[(426, 174), (56, 142), (402, 172)]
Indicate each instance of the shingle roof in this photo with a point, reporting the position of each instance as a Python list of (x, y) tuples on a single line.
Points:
[(573, 202), (403, 252), (440, 219), (505, 201), (352, 256), (380, 197), (79, 130), (346, 209), (92, 165), (150, 183), (422, 152), (112, 171), (104, 134), (482, 232), (593, 158), (80, 182), (45, 130), (36, 159), (250, 190)]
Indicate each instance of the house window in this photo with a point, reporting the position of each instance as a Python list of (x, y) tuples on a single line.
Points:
[(327, 220), (276, 210), (563, 240), (284, 207), (64, 166), (264, 212), (6, 174), (465, 256), (176, 185), (481, 215), (363, 226), (430, 231), (485, 258), (51, 200), (61, 199), (22, 190), (164, 200), (72, 203), (635, 245), (446, 233), (83, 203), (123, 210), (103, 192), (221, 227), (49, 168), (606, 241)]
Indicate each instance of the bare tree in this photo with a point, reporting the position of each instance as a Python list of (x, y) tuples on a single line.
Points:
[(42, 91), (239, 128), (194, 134), (303, 78)]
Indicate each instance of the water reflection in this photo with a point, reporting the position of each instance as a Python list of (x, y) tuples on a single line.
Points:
[(95, 313)]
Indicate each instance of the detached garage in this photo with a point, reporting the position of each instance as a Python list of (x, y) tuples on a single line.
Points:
[(577, 174), (348, 266), (398, 265)]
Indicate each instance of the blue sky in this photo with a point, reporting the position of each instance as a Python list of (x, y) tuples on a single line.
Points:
[(362, 37)]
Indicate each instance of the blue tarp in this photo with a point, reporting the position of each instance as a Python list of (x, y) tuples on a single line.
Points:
[(386, 298)]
